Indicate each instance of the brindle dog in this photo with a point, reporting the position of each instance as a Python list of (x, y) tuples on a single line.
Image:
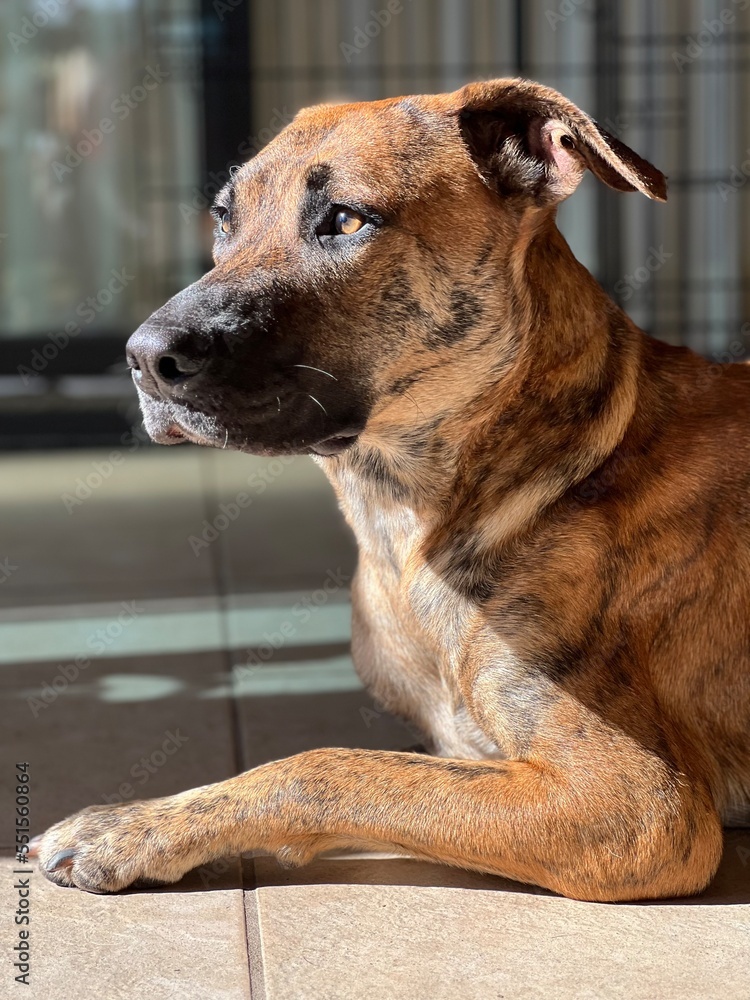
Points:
[(552, 509)]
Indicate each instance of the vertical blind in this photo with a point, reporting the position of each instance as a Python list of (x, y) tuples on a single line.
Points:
[(99, 143), (671, 79)]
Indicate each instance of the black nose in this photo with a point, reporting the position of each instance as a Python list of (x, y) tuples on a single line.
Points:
[(163, 360)]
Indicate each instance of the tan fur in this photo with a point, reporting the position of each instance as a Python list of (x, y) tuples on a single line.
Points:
[(553, 517)]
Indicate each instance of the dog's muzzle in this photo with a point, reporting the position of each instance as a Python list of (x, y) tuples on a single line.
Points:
[(212, 368)]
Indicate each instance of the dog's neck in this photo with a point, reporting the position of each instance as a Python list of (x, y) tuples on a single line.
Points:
[(542, 396)]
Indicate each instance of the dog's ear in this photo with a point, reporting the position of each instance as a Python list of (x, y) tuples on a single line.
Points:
[(526, 139)]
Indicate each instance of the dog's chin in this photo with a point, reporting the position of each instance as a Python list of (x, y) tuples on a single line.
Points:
[(166, 427), (327, 448)]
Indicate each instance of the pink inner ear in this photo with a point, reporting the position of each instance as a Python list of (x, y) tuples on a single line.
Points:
[(565, 165)]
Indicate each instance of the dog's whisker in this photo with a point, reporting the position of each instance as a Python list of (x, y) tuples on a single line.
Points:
[(279, 402), (419, 408), (313, 369), (319, 404)]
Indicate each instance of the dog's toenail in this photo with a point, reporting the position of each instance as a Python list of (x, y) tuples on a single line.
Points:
[(63, 859)]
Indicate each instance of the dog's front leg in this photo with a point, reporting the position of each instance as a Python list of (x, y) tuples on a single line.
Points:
[(509, 817)]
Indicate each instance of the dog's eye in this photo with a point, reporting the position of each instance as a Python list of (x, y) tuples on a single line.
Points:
[(348, 222), (224, 218), (342, 221)]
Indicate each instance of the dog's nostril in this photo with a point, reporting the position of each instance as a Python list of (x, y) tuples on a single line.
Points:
[(168, 369), (173, 369)]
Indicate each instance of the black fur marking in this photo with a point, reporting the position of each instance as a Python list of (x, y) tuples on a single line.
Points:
[(417, 442), (483, 259), (523, 610), (316, 202), (405, 382), (399, 307), (421, 441), (371, 465), (478, 588), (561, 661), (466, 310), (470, 572), (467, 771), (319, 177)]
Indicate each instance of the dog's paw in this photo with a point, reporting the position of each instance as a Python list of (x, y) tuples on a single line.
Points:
[(108, 848)]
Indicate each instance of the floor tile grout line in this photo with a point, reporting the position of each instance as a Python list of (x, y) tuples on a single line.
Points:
[(210, 487), (211, 497), (257, 975)]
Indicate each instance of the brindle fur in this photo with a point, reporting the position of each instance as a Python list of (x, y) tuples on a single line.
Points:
[(552, 510)]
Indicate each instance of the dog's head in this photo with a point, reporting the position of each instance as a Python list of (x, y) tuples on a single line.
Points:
[(359, 254)]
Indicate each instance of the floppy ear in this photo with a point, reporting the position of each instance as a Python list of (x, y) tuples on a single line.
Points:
[(526, 139)]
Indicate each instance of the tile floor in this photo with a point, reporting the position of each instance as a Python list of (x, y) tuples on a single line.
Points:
[(161, 618)]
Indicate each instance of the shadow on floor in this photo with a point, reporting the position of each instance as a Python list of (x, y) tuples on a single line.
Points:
[(731, 885)]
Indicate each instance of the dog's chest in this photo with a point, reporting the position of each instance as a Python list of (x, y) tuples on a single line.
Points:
[(408, 629), (419, 602), (410, 662)]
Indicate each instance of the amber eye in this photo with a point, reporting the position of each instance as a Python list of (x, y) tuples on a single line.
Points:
[(225, 219), (347, 223)]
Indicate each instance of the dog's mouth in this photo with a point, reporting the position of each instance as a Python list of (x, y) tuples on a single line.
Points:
[(327, 448), (332, 446), (169, 423), (175, 434)]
